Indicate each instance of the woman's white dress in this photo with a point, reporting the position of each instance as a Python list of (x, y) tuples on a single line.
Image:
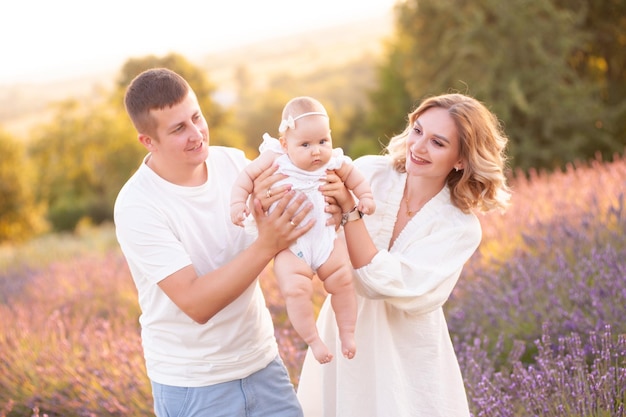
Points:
[(405, 364)]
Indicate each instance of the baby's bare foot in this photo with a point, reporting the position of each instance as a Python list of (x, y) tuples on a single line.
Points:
[(320, 351), (326, 359), (348, 345), (349, 354)]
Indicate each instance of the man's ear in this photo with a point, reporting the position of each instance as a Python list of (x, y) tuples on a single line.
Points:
[(146, 141)]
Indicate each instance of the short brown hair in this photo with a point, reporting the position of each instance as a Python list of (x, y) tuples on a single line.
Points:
[(153, 89)]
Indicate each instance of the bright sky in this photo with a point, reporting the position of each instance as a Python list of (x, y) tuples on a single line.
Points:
[(42, 40)]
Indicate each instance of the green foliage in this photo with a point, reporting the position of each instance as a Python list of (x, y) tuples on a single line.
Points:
[(391, 101), (257, 112), (20, 216), (89, 149), (516, 57), (43, 250), (342, 89), (83, 157), (601, 56)]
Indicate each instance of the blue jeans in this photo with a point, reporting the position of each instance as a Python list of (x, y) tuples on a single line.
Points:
[(266, 393)]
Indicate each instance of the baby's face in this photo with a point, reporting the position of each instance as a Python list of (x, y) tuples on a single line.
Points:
[(309, 145)]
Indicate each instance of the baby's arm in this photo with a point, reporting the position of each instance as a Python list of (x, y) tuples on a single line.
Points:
[(244, 184), (355, 181)]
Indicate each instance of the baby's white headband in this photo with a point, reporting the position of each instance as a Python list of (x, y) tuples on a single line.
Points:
[(290, 123)]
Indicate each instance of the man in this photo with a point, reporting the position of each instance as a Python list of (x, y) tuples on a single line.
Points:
[(207, 335)]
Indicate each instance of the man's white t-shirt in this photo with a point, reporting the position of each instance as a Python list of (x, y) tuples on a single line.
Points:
[(162, 228)]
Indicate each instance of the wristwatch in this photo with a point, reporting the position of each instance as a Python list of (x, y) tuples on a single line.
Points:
[(351, 216)]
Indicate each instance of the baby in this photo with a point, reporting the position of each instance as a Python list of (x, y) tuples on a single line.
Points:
[(304, 152)]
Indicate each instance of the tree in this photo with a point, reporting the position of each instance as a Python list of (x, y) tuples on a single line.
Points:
[(90, 149), (513, 56), (20, 216), (602, 56), (342, 89), (391, 100), (83, 157)]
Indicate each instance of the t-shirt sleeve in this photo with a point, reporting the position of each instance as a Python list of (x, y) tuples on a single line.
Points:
[(151, 249)]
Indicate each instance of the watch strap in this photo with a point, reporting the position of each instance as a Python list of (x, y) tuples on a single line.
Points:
[(350, 216)]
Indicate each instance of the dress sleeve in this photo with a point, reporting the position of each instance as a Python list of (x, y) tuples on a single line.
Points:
[(270, 144), (420, 276)]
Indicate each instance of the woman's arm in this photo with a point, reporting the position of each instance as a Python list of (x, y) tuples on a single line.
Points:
[(361, 248), (421, 271)]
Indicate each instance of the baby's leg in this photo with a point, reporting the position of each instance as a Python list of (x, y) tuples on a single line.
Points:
[(294, 280), (336, 273)]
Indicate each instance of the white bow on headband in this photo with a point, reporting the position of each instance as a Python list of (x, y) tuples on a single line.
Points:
[(290, 123)]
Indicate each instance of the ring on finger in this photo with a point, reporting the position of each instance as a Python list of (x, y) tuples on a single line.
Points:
[(268, 193), (292, 223)]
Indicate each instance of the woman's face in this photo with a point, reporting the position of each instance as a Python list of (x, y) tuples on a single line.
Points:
[(433, 148)]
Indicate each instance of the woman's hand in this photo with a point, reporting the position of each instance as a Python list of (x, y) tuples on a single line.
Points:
[(335, 192), (335, 212)]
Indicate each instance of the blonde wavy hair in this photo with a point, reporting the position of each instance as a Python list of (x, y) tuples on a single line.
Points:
[(481, 185)]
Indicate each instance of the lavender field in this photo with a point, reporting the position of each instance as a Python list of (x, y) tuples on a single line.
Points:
[(538, 317)]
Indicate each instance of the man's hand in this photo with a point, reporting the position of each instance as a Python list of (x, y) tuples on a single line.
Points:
[(284, 225), (265, 192)]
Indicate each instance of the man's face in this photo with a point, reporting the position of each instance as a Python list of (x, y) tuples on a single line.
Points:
[(181, 134)]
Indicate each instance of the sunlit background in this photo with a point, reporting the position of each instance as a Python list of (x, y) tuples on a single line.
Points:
[(47, 40), (537, 317)]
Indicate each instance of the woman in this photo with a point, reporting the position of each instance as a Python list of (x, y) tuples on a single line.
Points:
[(407, 257)]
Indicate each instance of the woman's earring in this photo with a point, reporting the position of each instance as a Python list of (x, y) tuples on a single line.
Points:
[(456, 169)]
